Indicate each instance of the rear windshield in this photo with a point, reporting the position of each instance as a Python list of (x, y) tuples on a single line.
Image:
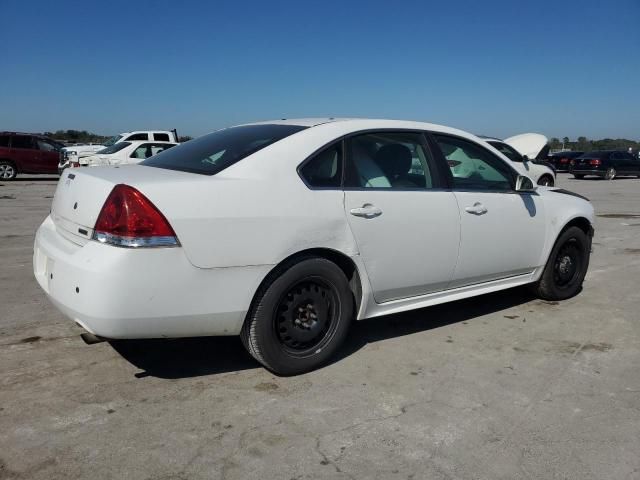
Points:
[(114, 148), (213, 153), (594, 155)]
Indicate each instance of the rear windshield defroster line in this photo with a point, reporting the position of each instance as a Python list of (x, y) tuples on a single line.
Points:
[(210, 154)]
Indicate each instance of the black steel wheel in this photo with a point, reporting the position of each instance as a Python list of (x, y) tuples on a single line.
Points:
[(545, 181), (566, 267), (299, 317)]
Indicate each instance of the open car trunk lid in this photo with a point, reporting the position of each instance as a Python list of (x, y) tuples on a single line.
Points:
[(529, 144)]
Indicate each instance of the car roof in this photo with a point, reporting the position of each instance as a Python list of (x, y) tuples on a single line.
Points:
[(354, 124)]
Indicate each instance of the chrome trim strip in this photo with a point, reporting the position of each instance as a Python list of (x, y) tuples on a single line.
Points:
[(135, 242)]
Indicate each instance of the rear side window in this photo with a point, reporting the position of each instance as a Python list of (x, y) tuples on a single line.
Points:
[(161, 137), (213, 153), (4, 140), (390, 160), (325, 168), (21, 141), (138, 137)]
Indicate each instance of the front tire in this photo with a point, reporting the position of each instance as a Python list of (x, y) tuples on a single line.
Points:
[(545, 181), (566, 267), (8, 170), (299, 317)]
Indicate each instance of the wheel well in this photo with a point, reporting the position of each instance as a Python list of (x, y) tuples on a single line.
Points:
[(345, 263), (582, 223)]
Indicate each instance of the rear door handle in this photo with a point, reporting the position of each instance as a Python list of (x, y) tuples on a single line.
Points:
[(366, 211), (477, 209)]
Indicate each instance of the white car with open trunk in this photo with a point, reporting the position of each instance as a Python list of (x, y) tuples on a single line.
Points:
[(283, 232)]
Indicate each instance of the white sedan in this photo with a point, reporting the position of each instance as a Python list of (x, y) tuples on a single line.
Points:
[(283, 232), (528, 151), (125, 153)]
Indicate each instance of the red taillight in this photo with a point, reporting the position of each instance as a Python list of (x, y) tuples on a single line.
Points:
[(74, 164), (129, 219), (564, 160), (595, 162)]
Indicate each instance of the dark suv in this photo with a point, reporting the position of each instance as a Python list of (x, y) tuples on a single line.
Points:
[(27, 153)]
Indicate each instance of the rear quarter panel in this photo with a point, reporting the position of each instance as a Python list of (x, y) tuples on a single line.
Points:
[(258, 211)]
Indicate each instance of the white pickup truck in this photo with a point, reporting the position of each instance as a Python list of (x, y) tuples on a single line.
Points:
[(125, 153), (77, 155)]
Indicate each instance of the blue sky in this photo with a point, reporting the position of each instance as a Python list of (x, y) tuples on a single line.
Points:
[(563, 67)]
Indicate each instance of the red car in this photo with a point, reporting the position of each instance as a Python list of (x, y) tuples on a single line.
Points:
[(27, 153)]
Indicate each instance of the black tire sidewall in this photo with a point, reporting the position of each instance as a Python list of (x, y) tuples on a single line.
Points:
[(547, 287), (273, 356)]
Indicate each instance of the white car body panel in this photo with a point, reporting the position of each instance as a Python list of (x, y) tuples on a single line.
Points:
[(406, 266), (236, 226)]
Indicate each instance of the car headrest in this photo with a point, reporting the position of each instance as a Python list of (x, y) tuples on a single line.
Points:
[(394, 159)]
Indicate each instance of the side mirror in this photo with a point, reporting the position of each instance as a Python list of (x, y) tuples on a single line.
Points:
[(524, 184), (525, 158)]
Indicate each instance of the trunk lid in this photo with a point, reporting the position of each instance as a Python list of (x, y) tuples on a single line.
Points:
[(81, 193)]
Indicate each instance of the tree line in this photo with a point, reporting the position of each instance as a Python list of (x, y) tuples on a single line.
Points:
[(82, 136), (583, 144)]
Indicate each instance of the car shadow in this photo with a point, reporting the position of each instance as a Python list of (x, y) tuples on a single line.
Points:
[(193, 357)]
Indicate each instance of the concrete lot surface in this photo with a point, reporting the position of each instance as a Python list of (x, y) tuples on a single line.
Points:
[(497, 387)]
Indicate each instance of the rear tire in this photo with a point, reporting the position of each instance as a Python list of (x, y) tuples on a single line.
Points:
[(566, 267), (579, 176), (299, 317), (610, 173), (8, 170)]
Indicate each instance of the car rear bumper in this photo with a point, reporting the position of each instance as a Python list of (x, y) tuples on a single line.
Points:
[(119, 293), (580, 171)]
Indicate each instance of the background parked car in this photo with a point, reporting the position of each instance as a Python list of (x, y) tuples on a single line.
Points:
[(562, 160), (527, 152), (27, 153), (123, 153), (607, 164), (77, 153)]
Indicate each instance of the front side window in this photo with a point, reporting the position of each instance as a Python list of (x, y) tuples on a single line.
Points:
[(394, 160), (114, 148), (213, 153), (325, 168), (4, 140), (45, 146), (472, 167), (161, 137), (21, 141)]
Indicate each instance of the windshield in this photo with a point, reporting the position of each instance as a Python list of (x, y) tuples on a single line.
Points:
[(112, 140), (114, 148), (213, 153), (507, 151)]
